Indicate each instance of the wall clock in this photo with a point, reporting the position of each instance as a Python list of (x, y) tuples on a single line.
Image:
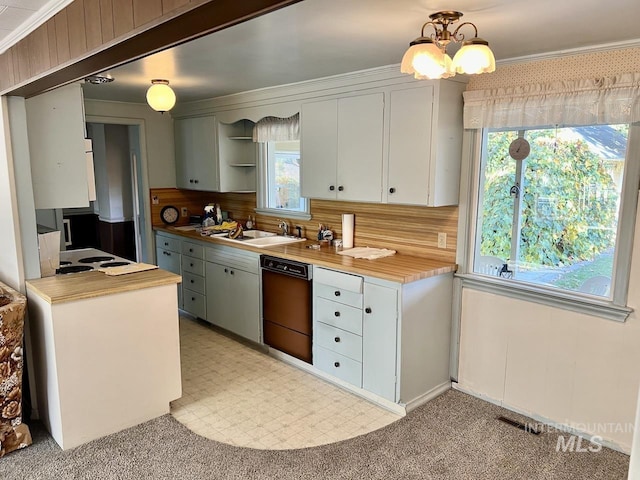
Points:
[(519, 149), (169, 214)]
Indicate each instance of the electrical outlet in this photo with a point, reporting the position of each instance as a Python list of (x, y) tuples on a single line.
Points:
[(442, 240), (184, 212)]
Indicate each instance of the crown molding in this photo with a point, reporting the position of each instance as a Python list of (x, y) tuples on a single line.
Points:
[(605, 47), (45, 12)]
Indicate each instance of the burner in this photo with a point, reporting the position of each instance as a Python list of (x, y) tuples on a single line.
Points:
[(95, 259), (113, 264), (64, 262), (74, 269)]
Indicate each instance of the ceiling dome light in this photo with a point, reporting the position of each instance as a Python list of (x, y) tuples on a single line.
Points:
[(160, 96), (427, 57)]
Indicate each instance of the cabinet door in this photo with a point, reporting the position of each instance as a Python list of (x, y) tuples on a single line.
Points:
[(410, 145), (56, 129), (319, 147), (217, 301), (379, 332), (170, 261), (244, 305), (360, 132), (196, 153)]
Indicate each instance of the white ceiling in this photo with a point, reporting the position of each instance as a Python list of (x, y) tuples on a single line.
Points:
[(17, 16), (316, 38)]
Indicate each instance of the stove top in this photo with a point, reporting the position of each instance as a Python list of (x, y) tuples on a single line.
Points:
[(87, 259)]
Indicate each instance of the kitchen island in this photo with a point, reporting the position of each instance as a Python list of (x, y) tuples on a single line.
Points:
[(106, 351)]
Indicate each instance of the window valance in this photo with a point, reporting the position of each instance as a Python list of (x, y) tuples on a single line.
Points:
[(275, 129), (606, 100)]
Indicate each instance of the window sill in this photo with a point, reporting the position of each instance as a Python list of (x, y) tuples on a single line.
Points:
[(574, 303), (274, 212)]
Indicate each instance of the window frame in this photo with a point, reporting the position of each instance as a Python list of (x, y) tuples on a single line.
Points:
[(614, 309), (262, 191)]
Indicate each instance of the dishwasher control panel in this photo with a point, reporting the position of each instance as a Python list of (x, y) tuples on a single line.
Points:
[(287, 267)]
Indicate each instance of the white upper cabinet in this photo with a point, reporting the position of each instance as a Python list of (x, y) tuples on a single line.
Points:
[(401, 143), (319, 148), (425, 144), (342, 148), (196, 153), (59, 168), (214, 156), (360, 134)]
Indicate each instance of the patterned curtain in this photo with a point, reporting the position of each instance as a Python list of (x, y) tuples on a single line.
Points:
[(274, 129)]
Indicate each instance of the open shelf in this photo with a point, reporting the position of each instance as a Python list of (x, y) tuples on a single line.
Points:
[(236, 137), (242, 164)]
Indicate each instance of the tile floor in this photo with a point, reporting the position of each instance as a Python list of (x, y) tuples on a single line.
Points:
[(238, 395)]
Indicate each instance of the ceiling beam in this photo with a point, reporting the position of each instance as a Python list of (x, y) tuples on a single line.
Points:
[(210, 17)]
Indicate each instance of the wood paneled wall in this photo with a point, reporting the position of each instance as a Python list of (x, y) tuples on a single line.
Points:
[(89, 36), (407, 229)]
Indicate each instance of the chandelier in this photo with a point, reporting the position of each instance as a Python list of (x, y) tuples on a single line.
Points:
[(427, 57)]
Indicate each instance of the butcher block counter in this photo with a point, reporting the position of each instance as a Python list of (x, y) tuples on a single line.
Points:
[(67, 288), (106, 351), (397, 268)]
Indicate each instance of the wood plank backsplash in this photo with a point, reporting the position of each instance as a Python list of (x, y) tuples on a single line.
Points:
[(408, 229)]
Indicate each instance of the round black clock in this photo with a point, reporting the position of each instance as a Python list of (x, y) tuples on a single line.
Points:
[(169, 214)]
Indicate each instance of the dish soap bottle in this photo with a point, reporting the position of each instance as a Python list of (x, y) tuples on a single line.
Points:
[(249, 223)]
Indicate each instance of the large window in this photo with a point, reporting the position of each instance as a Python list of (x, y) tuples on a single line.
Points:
[(552, 219)]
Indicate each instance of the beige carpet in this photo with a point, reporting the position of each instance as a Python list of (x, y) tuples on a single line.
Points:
[(454, 436)]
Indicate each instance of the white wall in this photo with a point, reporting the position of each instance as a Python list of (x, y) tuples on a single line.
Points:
[(11, 270), (551, 363), (158, 136)]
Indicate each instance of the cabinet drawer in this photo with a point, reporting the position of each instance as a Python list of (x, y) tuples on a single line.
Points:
[(193, 282), (193, 265), (168, 243), (342, 281), (338, 340), (194, 303), (338, 365), (337, 294), (192, 250), (339, 315)]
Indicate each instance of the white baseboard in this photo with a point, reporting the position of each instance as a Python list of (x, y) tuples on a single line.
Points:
[(626, 449), (427, 396)]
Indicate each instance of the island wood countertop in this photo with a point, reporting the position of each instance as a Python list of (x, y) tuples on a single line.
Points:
[(78, 286), (396, 268)]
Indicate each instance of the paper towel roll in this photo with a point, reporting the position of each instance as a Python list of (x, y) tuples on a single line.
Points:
[(348, 220)]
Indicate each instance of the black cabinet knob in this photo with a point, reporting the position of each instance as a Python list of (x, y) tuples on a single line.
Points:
[(231, 272), (191, 264), (367, 310), (195, 181), (191, 250), (332, 188), (191, 180), (392, 190), (337, 339), (337, 314), (226, 270), (337, 293), (336, 364), (192, 281), (193, 299), (340, 188), (166, 244)]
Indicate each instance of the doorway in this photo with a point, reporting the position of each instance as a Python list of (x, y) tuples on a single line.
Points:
[(115, 222)]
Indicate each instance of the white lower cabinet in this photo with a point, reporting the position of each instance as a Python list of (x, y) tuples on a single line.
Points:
[(233, 291), (168, 257), (387, 338)]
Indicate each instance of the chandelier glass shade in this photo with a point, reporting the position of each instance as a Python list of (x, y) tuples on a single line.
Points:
[(160, 96), (427, 57)]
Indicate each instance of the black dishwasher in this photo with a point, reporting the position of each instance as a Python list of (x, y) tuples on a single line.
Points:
[(286, 306)]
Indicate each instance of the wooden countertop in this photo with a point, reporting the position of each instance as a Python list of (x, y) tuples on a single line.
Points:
[(78, 286), (397, 268)]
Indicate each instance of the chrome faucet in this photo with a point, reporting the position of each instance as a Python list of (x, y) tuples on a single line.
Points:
[(284, 226)]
